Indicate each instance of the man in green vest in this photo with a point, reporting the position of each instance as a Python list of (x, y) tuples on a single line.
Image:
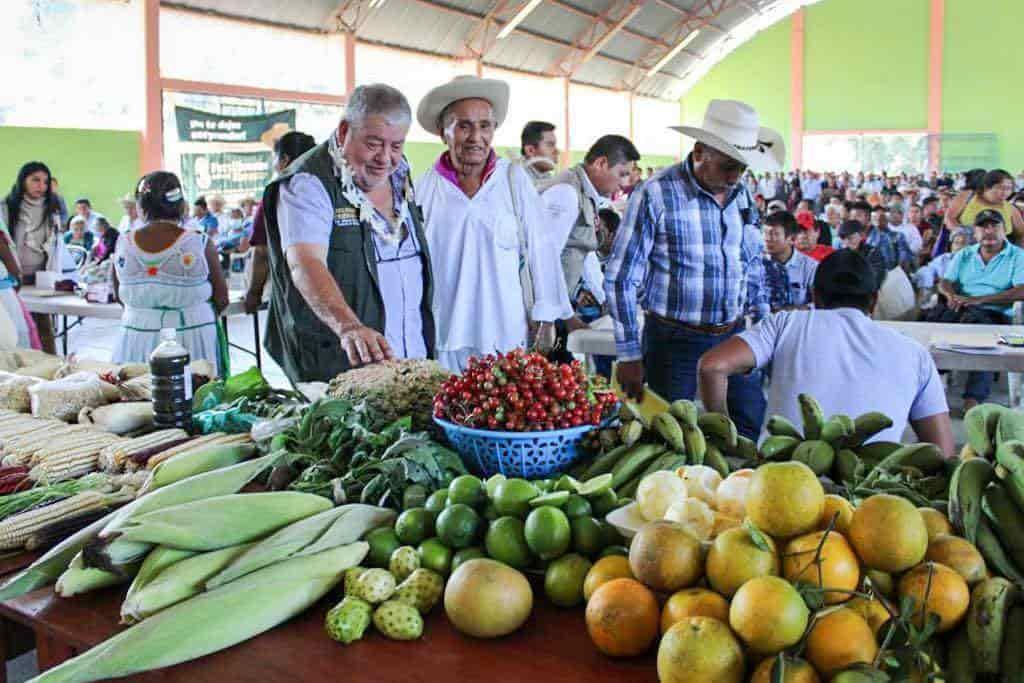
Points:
[(349, 263)]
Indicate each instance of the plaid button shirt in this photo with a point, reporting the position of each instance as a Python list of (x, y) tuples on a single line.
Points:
[(884, 243), (682, 256)]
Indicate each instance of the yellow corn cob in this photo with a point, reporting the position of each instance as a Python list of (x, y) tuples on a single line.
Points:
[(15, 530), (114, 457)]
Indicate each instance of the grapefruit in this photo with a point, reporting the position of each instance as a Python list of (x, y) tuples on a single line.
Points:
[(665, 557), (734, 559), (785, 499), (888, 533), (487, 599), (768, 614)]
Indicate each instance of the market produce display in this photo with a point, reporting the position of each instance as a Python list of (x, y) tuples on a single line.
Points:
[(394, 389)]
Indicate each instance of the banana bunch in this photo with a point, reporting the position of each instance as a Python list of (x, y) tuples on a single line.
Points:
[(992, 639), (989, 425), (675, 438)]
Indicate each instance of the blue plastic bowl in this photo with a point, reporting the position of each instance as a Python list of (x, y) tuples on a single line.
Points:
[(529, 455)]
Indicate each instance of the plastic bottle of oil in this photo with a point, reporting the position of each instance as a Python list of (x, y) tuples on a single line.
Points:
[(172, 383)]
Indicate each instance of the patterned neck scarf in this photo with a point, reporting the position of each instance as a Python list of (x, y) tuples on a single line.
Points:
[(388, 230)]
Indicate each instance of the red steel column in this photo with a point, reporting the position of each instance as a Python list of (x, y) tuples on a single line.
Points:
[(796, 79), (151, 151), (936, 48)]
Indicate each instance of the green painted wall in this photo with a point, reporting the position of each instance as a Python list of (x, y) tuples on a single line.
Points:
[(99, 164), (980, 93), (866, 64), (757, 73)]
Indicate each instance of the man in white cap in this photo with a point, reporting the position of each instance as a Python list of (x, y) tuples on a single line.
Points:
[(689, 253), (495, 270)]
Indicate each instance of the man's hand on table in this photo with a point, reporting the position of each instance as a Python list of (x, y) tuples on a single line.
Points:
[(364, 345), (631, 378), (253, 301)]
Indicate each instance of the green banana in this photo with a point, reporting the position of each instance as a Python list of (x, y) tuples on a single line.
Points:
[(986, 622), (780, 426), (630, 432), (628, 412), (982, 423), (665, 461), (818, 455), (1005, 518), (960, 664), (714, 459), (866, 426), (925, 457), (745, 449), (877, 451), (779, 447), (628, 489), (684, 411), (995, 556), (1010, 456), (848, 466), (1010, 427), (696, 445), (837, 428), (965, 494), (669, 430), (719, 426), (813, 416), (1012, 664), (634, 462), (603, 463)]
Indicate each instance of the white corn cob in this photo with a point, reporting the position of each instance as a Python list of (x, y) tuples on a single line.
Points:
[(92, 443), (71, 466), (114, 457), (15, 530)]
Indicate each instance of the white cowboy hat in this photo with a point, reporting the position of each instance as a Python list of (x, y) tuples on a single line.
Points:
[(462, 88), (733, 128)]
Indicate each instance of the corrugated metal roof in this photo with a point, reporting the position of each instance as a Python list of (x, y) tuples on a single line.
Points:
[(551, 39)]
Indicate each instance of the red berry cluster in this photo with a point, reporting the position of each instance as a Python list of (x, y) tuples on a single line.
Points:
[(522, 392)]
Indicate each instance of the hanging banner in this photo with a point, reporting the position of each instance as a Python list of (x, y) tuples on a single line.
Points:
[(201, 126), (226, 173)]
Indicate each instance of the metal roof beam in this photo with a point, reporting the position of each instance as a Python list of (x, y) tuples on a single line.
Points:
[(588, 43), (679, 10)]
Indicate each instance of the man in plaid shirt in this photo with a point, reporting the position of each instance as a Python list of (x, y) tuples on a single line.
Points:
[(688, 253)]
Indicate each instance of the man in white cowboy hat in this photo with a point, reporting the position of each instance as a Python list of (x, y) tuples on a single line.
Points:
[(689, 253), (496, 271), (131, 219)]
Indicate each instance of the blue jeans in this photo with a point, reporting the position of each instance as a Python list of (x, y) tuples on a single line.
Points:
[(602, 364), (670, 363)]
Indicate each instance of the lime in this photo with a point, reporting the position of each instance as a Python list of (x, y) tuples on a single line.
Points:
[(415, 496), (458, 526), (383, 541), (587, 536), (563, 580), (506, 542), (544, 485), (556, 499), (615, 550), (596, 486), (435, 555), (492, 484), (577, 506), (548, 532), (603, 503), (468, 490), (472, 553), (437, 500), (490, 511), (567, 483), (609, 534), (413, 525), (513, 496)]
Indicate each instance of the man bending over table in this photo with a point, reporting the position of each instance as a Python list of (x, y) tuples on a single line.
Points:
[(865, 358)]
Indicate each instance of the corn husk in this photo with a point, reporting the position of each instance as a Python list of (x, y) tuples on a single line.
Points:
[(78, 579), (180, 581), (329, 529), (222, 521), (156, 561), (214, 620), (203, 459)]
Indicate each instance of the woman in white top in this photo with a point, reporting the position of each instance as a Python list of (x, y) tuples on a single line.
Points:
[(483, 216), (167, 276)]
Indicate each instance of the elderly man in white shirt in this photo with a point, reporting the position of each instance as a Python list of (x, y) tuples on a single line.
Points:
[(483, 219)]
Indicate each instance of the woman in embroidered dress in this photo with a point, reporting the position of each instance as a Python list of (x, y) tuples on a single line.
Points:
[(167, 276)]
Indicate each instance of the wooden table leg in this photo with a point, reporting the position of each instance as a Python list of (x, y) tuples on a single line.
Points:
[(51, 652)]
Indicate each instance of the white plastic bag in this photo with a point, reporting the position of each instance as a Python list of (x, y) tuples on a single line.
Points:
[(63, 399), (896, 300), (14, 393)]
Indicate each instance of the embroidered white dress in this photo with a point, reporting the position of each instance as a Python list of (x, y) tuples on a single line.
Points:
[(169, 288)]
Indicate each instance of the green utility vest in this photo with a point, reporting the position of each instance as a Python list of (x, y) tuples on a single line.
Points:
[(583, 237), (296, 338)]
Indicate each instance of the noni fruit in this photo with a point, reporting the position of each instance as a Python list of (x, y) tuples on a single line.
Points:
[(422, 590), (375, 586), (347, 621), (398, 621), (404, 561)]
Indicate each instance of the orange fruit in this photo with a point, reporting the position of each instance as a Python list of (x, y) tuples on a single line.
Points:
[(795, 671), (768, 614), (940, 590), (665, 556), (700, 650), (693, 602), (622, 618), (785, 499), (935, 522), (872, 611), (734, 559), (836, 567), (882, 582), (958, 554), (603, 571), (836, 504), (888, 533), (723, 523), (839, 639)]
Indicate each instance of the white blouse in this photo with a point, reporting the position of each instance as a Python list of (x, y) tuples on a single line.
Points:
[(474, 251)]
